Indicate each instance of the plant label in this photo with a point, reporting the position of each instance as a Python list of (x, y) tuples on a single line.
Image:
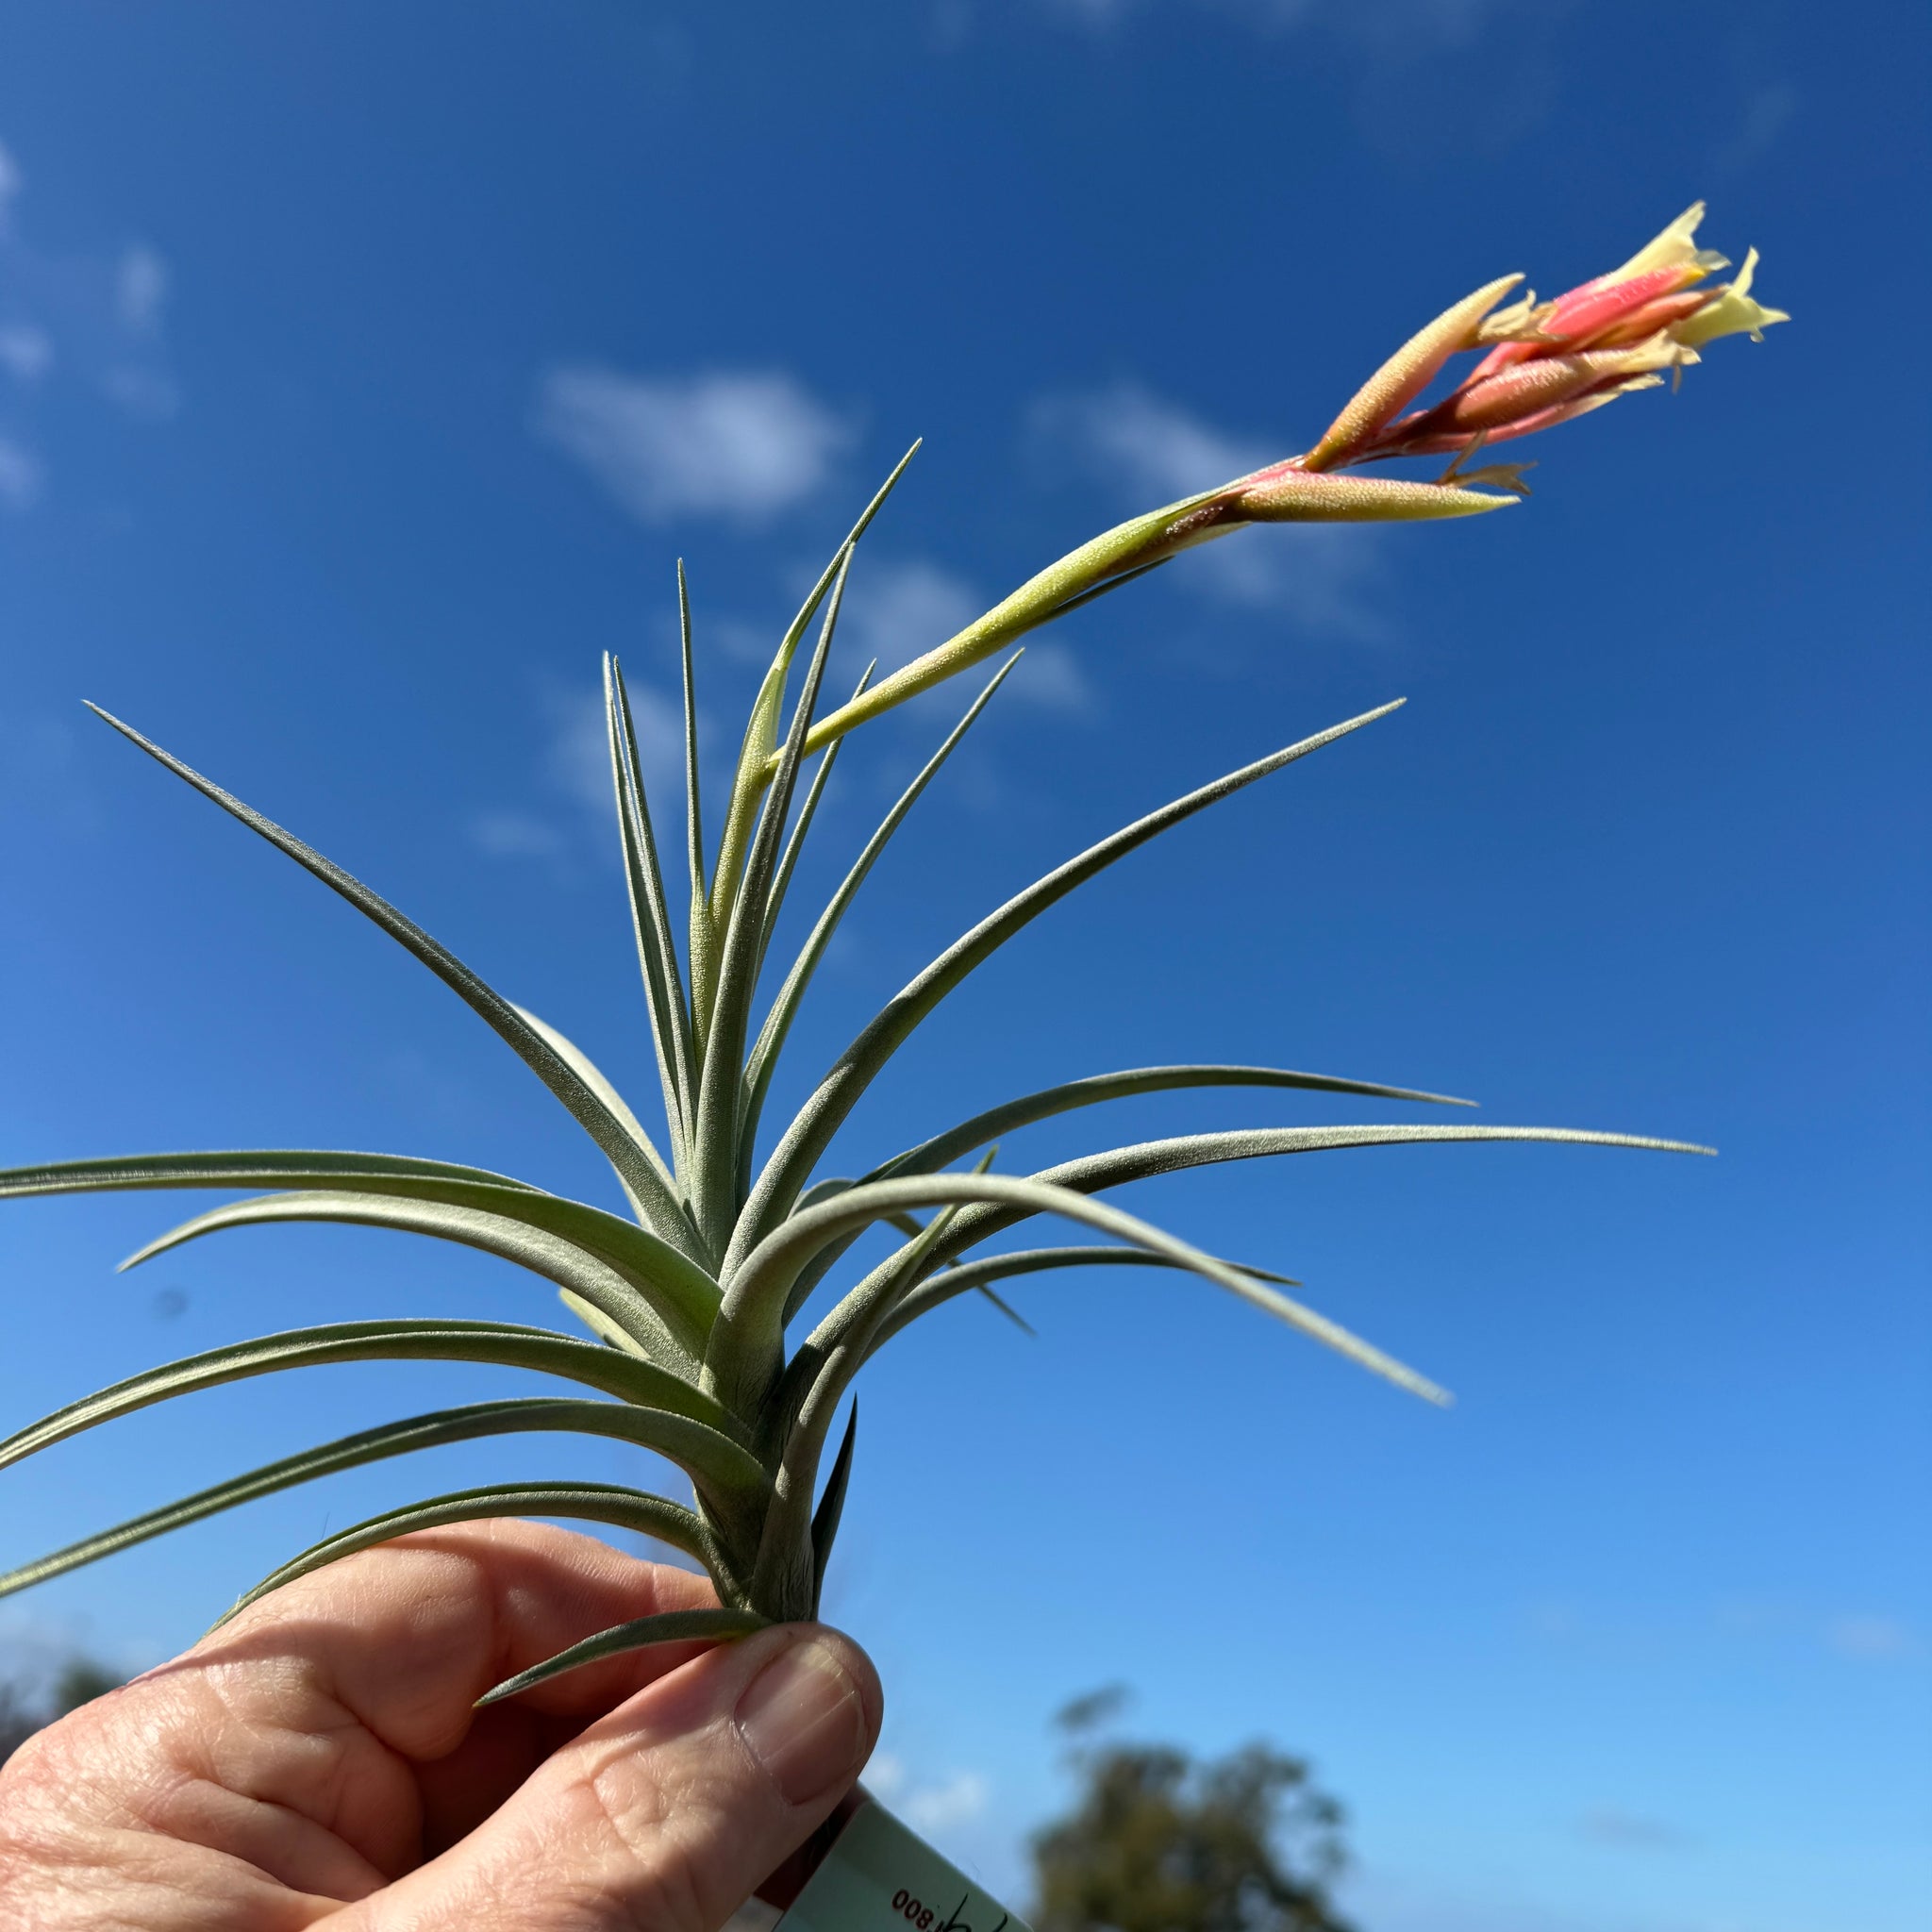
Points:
[(880, 1878)]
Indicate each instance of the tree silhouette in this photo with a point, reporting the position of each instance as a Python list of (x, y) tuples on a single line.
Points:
[(1158, 1842)]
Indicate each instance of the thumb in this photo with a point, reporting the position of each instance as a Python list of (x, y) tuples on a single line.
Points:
[(667, 1814)]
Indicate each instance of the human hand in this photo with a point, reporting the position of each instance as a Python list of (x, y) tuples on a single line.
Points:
[(316, 1762)]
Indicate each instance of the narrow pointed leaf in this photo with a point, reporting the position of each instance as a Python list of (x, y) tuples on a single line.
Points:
[(826, 1517), (795, 843), (1115, 1168), (715, 1172), (942, 1149), (666, 1279), (778, 1020), (594, 1078), (810, 1132), (637, 1510), (703, 940), (557, 1259), (946, 1284), (670, 1627), (664, 1002), (666, 1217), (496, 1344), (650, 916), (747, 1343), (756, 766), (730, 1473)]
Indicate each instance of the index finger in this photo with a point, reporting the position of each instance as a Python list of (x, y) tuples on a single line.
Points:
[(408, 1635)]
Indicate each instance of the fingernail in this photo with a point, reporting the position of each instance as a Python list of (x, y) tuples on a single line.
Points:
[(804, 1720)]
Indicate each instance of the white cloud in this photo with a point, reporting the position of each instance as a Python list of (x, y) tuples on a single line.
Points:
[(1767, 111), (1872, 1640), (1147, 449), (510, 834), (1050, 677), (25, 352), (929, 1808), (945, 1807), (144, 393), (97, 315), (743, 444), (140, 289), (20, 476)]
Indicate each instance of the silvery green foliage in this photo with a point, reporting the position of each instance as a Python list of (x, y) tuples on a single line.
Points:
[(692, 1296)]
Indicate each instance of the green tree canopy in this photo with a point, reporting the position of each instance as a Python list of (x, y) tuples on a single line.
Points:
[(1159, 1842)]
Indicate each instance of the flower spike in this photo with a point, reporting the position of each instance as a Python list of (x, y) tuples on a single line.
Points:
[(1542, 363)]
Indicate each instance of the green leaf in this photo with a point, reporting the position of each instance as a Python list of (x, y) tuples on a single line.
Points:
[(755, 1298), (795, 843), (806, 1140), (622, 1508), (666, 1280), (670, 1627), (962, 1277), (1006, 1308), (825, 1517), (1103, 588), (762, 730), (664, 1211), (1119, 1165), (650, 916), (558, 1261), (714, 1179), (942, 1149), (594, 1078), (727, 1475), (497, 1343), (250, 1168), (703, 940), (771, 1040)]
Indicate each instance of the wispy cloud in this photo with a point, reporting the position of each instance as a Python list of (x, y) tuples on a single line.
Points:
[(140, 289), (20, 476), (572, 772), (10, 185), (97, 317), (1143, 449), (1417, 65), (936, 1807), (1610, 1824), (27, 353), (742, 444), (1872, 1640), (1767, 112)]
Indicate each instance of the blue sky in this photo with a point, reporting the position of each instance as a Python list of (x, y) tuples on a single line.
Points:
[(362, 373)]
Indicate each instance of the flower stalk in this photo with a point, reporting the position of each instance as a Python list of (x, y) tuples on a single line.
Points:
[(692, 1294)]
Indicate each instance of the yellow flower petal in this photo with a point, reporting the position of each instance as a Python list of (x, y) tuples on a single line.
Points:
[(1673, 248), (1732, 311)]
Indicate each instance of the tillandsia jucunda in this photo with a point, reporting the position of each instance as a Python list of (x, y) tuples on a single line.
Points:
[(689, 1297)]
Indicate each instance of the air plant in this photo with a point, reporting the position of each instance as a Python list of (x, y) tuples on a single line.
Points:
[(690, 1299)]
